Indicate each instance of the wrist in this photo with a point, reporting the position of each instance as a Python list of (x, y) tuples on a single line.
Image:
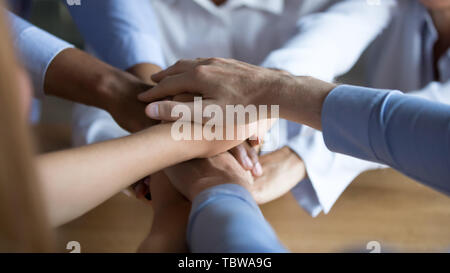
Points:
[(302, 100), (104, 87), (114, 87), (144, 71), (278, 90)]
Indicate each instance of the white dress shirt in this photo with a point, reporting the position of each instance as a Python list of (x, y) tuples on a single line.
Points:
[(402, 57), (280, 34)]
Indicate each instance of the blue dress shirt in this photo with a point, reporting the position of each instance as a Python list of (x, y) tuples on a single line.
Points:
[(113, 29), (226, 219), (407, 133), (121, 33)]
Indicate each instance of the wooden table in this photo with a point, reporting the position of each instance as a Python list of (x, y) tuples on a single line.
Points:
[(382, 206)]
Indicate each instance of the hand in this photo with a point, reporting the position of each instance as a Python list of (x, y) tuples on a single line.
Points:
[(247, 156), (171, 214), (77, 76), (122, 104), (220, 81), (228, 82), (144, 72), (283, 169), (140, 190), (192, 177)]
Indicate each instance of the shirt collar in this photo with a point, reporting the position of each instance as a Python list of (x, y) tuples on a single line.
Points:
[(272, 6)]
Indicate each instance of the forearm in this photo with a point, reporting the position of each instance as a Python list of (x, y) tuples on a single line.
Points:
[(77, 180), (220, 221), (402, 131), (300, 99), (168, 233), (77, 76)]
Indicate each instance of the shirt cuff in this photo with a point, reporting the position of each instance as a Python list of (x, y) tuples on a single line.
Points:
[(207, 196), (346, 117), (37, 49), (222, 190)]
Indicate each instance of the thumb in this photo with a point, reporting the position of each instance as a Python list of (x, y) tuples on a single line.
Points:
[(173, 111), (166, 110)]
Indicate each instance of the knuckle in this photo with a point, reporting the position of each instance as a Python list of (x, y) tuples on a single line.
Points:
[(199, 71), (180, 62), (215, 60)]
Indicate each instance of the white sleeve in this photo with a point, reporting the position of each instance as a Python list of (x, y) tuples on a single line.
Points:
[(434, 91), (91, 125), (329, 173), (329, 43), (326, 45)]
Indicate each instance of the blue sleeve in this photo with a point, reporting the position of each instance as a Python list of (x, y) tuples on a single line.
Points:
[(226, 219), (407, 133), (36, 48), (121, 33)]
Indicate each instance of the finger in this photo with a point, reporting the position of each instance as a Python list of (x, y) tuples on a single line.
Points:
[(253, 155), (173, 111), (240, 153), (255, 141), (185, 97), (179, 67), (140, 190), (169, 87)]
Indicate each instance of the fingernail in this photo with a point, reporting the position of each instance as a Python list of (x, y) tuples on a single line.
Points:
[(153, 110), (248, 163), (258, 169)]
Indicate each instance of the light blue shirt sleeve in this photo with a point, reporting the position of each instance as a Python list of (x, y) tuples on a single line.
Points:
[(121, 33), (226, 219), (36, 49), (407, 133)]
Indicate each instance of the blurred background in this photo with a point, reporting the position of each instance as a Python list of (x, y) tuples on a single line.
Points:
[(381, 210)]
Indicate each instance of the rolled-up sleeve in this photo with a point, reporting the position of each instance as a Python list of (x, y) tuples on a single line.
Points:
[(36, 48), (407, 133), (226, 219), (121, 33)]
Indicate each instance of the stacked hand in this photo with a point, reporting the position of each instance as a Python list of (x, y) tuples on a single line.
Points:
[(229, 82)]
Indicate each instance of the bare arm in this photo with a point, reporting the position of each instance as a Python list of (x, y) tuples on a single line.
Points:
[(77, 76), (77, 180), (170, 218)]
